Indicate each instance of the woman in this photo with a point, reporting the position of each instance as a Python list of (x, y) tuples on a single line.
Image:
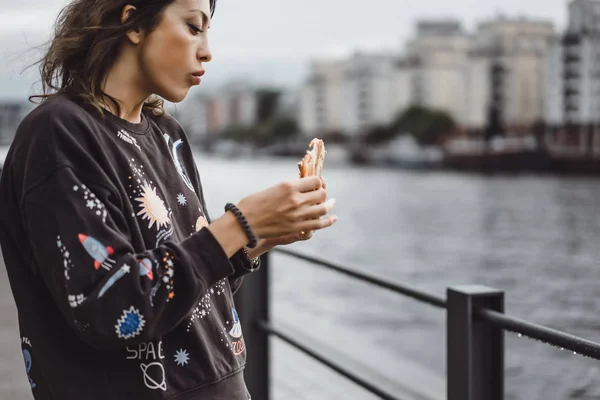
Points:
[(122, 282)]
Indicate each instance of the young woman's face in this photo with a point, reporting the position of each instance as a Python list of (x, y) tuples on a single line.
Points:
[(171, 56)]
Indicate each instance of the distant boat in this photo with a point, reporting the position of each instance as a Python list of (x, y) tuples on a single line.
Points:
[(401, 152)]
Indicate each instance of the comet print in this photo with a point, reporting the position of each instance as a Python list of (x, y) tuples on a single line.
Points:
[(125, 269)]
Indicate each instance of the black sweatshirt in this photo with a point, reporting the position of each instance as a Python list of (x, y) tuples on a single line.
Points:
[(120, 293)]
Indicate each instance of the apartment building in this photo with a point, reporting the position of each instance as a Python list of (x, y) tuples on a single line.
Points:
[(370, 89), (321, 97), (581, 63), (498, 73), (369, 97), (514, 52), (436, 66), (572, 105)]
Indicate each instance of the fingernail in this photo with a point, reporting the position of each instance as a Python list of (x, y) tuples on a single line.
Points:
[(335, 218), (331, 201)]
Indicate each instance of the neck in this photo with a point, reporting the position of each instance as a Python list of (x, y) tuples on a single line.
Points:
[(123, 84)]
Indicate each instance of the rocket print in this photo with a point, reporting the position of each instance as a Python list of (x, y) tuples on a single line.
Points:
[(98, 252)]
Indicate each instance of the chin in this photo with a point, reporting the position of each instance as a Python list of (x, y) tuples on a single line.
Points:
[(174, 96)]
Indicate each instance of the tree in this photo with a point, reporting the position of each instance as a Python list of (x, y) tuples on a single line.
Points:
[(239, 133), (427, 126), (283, 128), (267, 104), (378, 134), (275, 130)]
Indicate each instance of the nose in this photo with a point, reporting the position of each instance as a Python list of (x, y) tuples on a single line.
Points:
[(204, 53)]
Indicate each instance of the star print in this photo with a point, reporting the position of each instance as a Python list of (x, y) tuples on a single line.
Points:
[(182, 357), (181, 199)]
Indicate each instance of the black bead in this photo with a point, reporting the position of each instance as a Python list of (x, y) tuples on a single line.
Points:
[(253, 240)]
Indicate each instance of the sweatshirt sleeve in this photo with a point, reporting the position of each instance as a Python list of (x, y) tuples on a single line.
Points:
[(242, 268), (82, 246)]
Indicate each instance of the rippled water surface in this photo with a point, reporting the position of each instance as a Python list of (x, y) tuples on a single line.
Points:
[(534, 237)]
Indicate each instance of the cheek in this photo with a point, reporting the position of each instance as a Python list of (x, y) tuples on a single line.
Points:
[(167, 56)]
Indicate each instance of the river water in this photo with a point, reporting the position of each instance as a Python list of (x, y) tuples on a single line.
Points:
[(534, 237)]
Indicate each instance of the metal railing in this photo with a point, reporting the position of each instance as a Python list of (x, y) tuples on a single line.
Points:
[(475, 325)]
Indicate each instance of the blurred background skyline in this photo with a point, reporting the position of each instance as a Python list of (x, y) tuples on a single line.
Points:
[(271, 42)]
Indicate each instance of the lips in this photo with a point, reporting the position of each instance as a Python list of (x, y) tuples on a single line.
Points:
[(196, 77)]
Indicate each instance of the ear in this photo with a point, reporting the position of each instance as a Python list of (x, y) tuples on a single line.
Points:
[(134, 35)]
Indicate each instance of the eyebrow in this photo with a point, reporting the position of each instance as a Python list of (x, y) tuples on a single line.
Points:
[(205, 18)]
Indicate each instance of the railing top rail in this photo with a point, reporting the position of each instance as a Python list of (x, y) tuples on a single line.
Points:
[(395, 287), (539, 332), (506, 322)]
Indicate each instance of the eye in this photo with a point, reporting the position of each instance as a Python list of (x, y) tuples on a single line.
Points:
[(195, 29)]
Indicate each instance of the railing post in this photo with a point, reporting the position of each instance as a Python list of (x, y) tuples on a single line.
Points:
[(475, 350), (252, 304)]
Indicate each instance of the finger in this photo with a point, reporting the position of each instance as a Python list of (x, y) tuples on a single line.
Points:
[(305, 235), (319, 223), (323, 183), (316, 211), (315, 197), (307, 184)]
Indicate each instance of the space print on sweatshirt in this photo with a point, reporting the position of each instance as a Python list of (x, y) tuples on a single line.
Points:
[(205, 305), (100, 254), (151, 359), (28, 359), (232, 334), (174, 151), (148, 204)]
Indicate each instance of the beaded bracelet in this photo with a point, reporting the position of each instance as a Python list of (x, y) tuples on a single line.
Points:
[(253, 240)]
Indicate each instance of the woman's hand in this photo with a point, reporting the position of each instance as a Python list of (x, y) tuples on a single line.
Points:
[(283, 211), (265, 245)]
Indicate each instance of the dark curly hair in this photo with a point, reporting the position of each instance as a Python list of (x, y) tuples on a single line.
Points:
[(87, 38)]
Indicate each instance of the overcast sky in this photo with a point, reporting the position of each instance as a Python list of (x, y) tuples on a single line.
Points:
[(270, 41)]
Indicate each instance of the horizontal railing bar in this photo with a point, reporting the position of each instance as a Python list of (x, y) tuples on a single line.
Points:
[(341, 363), (548, 335), (396, 287)]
